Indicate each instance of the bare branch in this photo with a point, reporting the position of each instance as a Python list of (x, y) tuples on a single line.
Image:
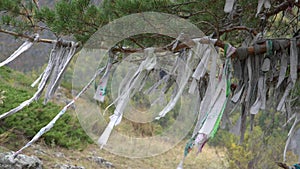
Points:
[(186, 44), (26, 36), (238, 28), (283, 6), (137, 43)]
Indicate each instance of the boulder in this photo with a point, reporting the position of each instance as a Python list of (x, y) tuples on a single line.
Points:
[(67, 166), (20, 162)]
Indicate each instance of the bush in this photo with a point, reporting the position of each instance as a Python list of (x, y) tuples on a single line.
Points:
[(67, 131)]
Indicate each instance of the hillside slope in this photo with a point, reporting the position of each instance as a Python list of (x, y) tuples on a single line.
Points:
[(67, 143)]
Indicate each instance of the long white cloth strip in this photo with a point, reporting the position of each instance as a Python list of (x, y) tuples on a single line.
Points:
[(24, 47), (16, 109), (228, 6), (48, 70), (203, 109), (210, 91), (62, 112), (122, 100), (259, 102), (248, 95), (294, 60), (38, 93), (66, 57), (236, 97), (184, 77), (202, 66), (101, 89), (290, 135), (265, 3), (283, 67), (164, 80), (213, 105), (215, 98), (193, 86), (37, 80), (217, 104), (280, 106)]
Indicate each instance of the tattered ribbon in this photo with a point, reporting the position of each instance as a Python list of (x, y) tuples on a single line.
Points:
[(236, 97), (24, 47), (290, 134), (280, 106), (63, 58), (166, 79), (37, 80), (260, 102), (248, 95), (202, 66), (266, 3), (293, 73), (44, 77), (60, 114), (41, 87), (207, 99), (215, 111), (184, 75), (122, 100), (294, 60), (193, 86), (228, 6), (283, 66), (176, 41), (101, 89)]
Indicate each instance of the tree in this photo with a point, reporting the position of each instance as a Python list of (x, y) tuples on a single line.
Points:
[(264, 34)]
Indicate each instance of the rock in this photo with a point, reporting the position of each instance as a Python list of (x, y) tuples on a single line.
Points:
[(67, 166), (98, 160), (101, 161), (39, 152), (20, 162), (59, 155), (109, 164)]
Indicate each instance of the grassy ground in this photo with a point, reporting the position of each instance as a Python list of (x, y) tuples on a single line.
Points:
[(210, 158), (15, 132)]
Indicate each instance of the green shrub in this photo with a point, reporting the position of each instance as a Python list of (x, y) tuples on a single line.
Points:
[(67, 131)]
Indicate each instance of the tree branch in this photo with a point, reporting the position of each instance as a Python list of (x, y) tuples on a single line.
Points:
[(250, 30), (186, 44), (283, 6), (31, 38)]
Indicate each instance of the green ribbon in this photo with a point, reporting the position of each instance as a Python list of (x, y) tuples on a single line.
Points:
[(226, 72)]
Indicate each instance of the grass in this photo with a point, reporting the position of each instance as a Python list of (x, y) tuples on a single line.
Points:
[(210, 158)]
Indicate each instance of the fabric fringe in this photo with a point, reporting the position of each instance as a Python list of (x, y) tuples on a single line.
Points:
[(180, 165), (184, 75), (147, 65), (56, 53), (24, 47), (101, 89), (60, 114), (62, 60)]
